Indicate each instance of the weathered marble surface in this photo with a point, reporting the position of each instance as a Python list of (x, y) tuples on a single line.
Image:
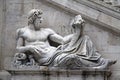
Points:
[(4, 75), (48, 74), (13, 13), (75, 50)]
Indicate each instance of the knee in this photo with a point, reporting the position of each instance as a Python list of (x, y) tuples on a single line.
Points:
[(72, 56), (85, 37)]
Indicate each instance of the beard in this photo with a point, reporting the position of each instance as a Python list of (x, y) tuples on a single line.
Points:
[(37, 25)]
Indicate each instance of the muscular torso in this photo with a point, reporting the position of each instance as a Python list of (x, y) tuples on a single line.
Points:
[(38, 39), (32, 37)]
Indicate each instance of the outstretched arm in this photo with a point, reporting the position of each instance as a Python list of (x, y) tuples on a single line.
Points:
[(59, 39)]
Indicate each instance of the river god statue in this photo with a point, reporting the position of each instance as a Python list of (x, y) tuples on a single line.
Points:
[(76, 51)]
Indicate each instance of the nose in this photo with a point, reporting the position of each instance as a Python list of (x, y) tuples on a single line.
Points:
[(41, 20)]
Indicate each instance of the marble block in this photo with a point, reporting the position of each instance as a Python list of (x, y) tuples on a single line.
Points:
[(4, 75), (45, 73)]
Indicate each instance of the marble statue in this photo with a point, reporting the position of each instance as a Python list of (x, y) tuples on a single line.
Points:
[(80, 51), (74, 52), (32, 40)]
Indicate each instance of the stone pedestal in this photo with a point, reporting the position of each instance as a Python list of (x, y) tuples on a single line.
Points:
[(55, 74), (4, 75)]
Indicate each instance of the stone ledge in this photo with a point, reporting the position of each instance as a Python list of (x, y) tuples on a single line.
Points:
[(53, 70), (53, 73), (4, 75)]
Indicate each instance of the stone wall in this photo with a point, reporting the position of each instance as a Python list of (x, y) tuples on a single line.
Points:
[(2, 27), (15, 16)]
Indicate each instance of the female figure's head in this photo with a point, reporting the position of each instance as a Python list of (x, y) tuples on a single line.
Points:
[(34, 18), (77, 21), (78, 24)]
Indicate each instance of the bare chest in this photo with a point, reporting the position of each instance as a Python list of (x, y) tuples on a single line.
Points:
[(32, 36)]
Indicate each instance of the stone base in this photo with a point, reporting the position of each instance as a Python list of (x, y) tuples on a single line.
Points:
[(4, 75), (54, 74)]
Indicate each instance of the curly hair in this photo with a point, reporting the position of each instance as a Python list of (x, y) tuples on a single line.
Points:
[(33, 14)]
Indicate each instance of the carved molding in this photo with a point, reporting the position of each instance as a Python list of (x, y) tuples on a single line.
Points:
[(98, 14), (53, 71), (63, 74)]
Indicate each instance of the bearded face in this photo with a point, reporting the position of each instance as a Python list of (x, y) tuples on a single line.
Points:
[(37, 23), (34, 17)]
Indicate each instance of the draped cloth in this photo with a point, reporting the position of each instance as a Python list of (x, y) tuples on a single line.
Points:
[(79, 53)]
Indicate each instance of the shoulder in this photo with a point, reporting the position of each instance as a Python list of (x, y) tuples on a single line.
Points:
[(20, 31)]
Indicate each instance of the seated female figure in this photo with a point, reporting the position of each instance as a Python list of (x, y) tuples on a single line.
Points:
[(80, 52)]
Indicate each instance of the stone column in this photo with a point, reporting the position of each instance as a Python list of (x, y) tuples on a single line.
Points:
[(4, 75), (2, 28)]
